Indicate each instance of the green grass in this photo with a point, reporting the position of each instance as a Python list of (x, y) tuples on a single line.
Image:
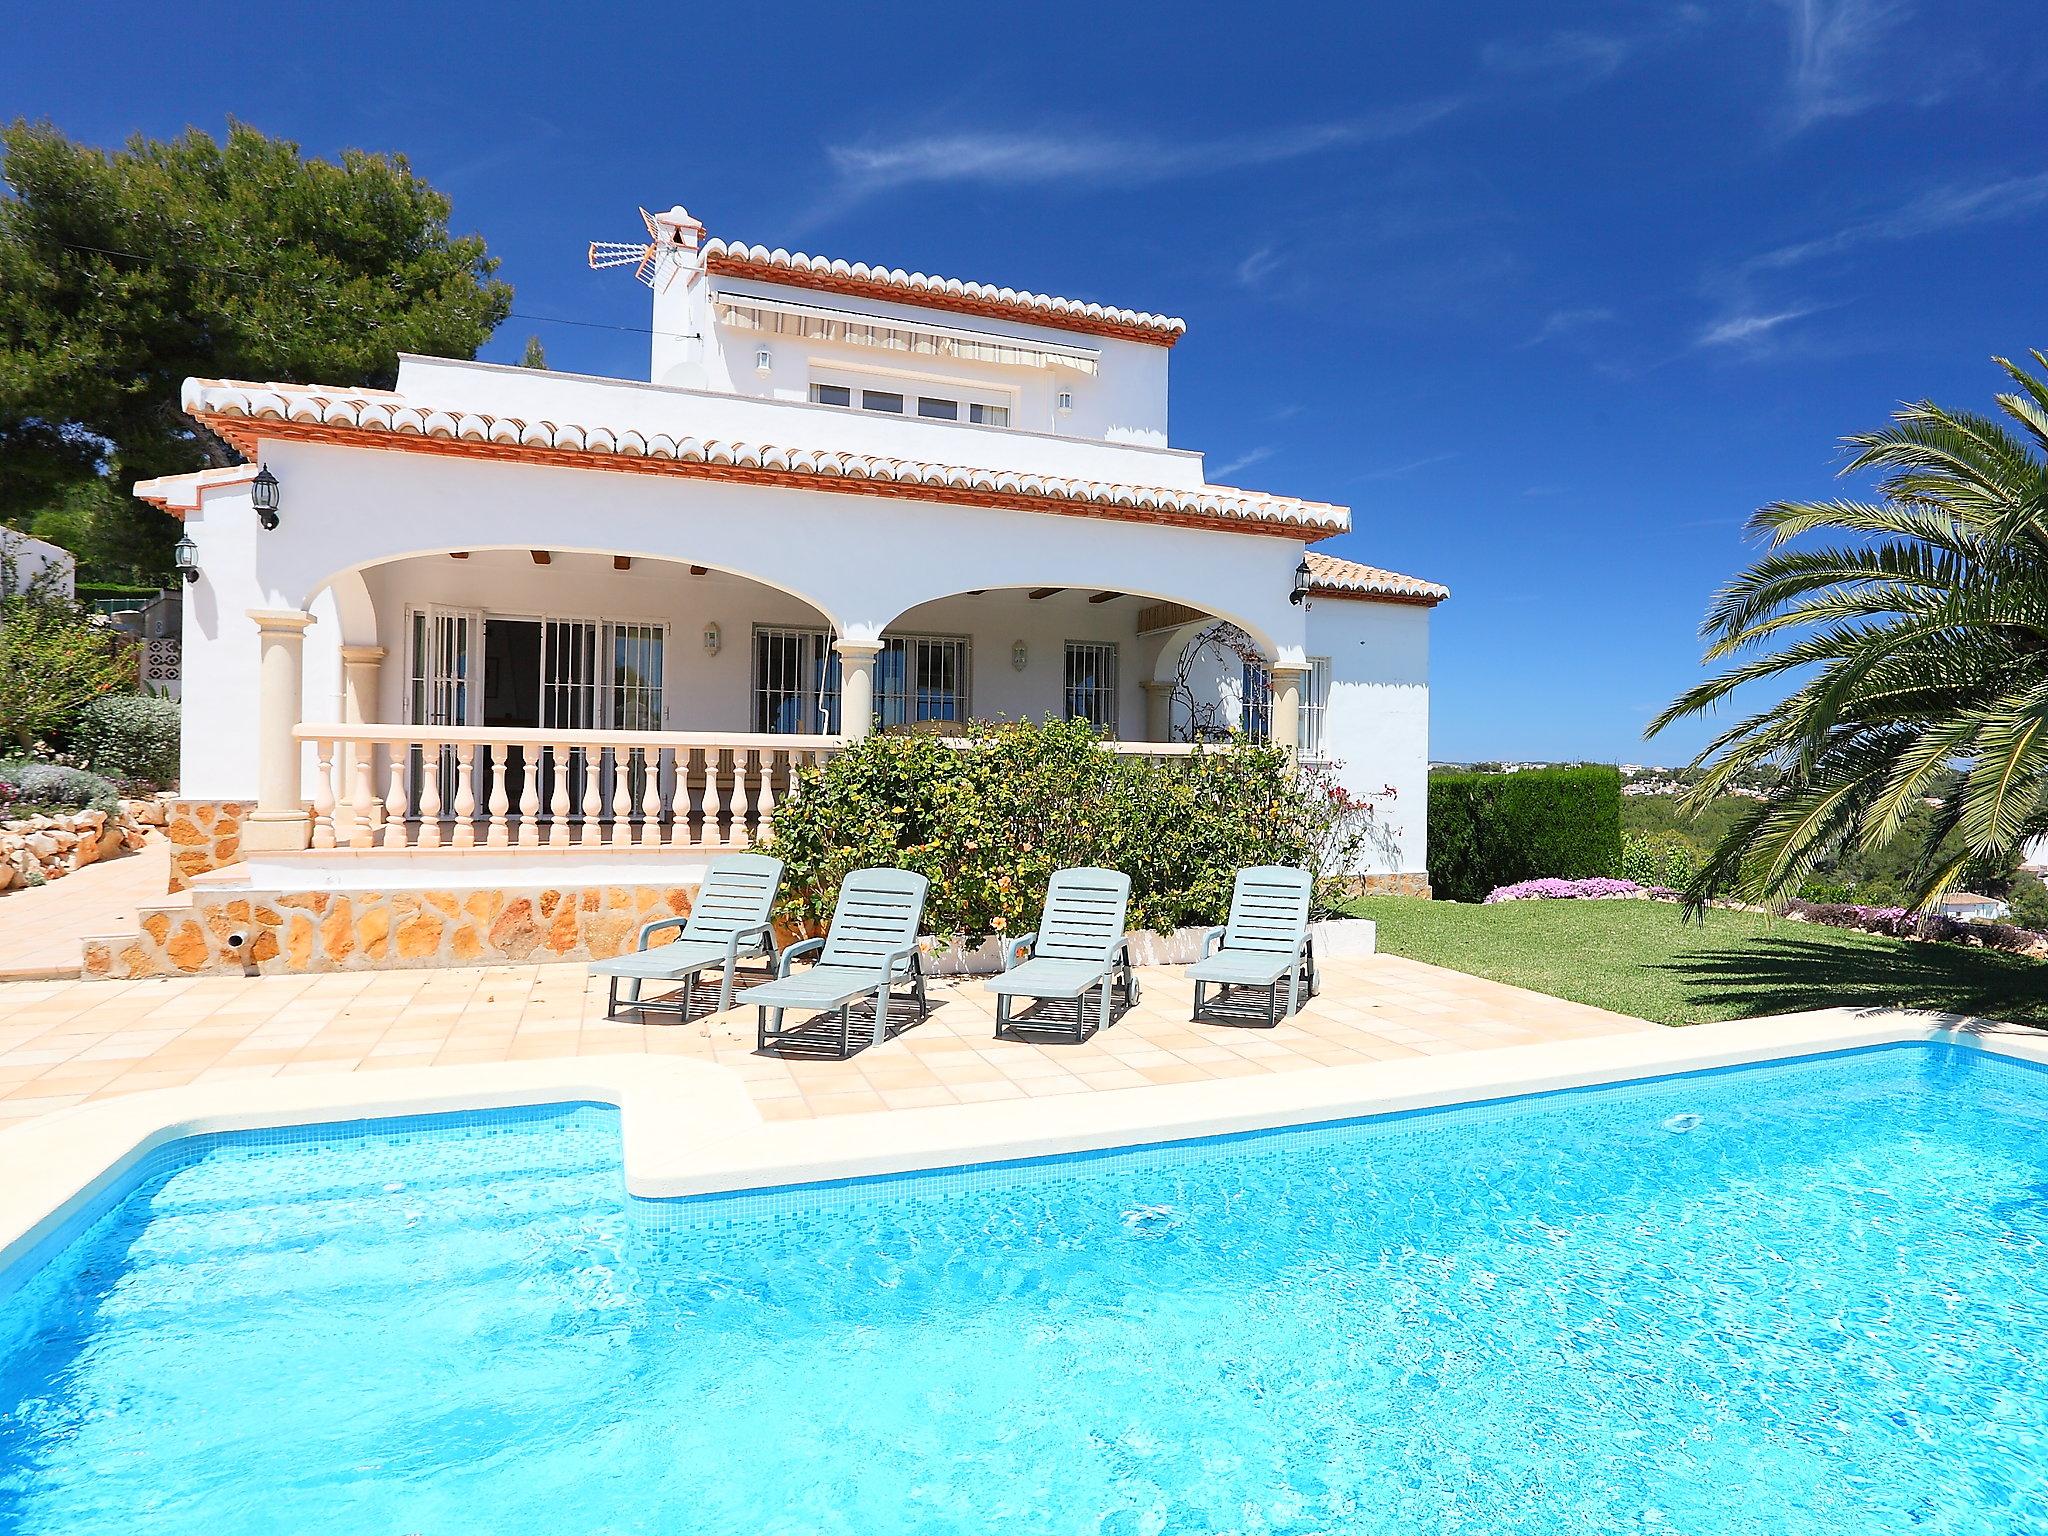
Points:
[(1640, 958)]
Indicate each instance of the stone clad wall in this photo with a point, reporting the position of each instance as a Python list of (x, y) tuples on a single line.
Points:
[(1394, 885), (204, 834), (293, 933)]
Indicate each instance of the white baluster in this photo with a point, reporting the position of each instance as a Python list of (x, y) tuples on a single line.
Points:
[(395, 801), (764, 808), (430, 797), (649, 830), (465, 797), (620, 831), (529, 798), (593, 795), (363, 834), (496, 833), (323, 795), (679, 798), (558, 801), (715, 800)]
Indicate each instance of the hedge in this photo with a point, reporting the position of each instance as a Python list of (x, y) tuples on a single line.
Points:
[(132, 737), (40, 786), (989, 823), (1494, 829)]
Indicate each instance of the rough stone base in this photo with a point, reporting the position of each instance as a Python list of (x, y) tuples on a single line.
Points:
[(1392, 885), (204, 834), (237, 932)]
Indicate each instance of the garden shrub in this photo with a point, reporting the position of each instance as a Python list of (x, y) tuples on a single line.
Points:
[(1659, 859), (1492, 829), (129, 736), (989, 823), (36, 787), (54, 660)]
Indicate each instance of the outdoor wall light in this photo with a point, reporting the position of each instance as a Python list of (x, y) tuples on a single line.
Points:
[(1019, 655), (712, 639), (185, 556), (1300, 593), (263, 491)]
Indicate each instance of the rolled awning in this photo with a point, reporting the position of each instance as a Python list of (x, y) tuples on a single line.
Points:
[(781, 317)]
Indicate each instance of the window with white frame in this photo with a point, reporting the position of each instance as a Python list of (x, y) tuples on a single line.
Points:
[(921, 678), (1315, 707), (1091, 683), (1255, 702), (911, 397)]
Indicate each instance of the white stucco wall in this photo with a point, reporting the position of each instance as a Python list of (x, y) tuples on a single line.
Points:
[(24, 560), (1377, 727), (864, 562)]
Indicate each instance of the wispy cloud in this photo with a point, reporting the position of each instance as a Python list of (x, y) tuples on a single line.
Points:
[(1029, 158), (1258, 266), (1832, 43), (1243, 461), (1587, 56), (1931, 213), (1747, 330), (1568, 322), (1396, 471)]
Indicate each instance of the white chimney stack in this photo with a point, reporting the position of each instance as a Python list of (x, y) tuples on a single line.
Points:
[(682, 309)]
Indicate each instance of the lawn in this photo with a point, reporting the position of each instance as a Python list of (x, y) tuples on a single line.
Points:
[(1641, 958)]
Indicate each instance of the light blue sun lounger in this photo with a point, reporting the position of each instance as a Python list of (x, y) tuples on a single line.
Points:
[(1079, 948), (871, 943), (728, 922), (1265, 942)]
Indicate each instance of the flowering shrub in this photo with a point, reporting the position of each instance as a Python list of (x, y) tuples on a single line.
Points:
[(129, 737), (989, 823), (1596, 889), (51, 786), (1901, 923)]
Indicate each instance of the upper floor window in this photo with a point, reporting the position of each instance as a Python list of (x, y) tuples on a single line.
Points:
[(941, 404), (1315, 709)]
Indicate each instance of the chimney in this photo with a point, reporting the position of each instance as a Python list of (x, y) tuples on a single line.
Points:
[(682, 310)]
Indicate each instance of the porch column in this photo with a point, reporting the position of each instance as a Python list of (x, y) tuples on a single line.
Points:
[(279, 820), (1158, 711), (1287, 686), (361, 671), (856, 686)]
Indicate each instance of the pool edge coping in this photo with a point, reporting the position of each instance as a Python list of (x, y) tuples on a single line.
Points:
[(688, 1127)]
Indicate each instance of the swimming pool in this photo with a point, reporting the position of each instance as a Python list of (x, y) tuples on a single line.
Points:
[(1796, 1297)]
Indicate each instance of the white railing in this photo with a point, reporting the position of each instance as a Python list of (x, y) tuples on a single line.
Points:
[(412, 786), (417, 786)]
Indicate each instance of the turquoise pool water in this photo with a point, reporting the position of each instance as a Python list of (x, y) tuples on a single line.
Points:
[(1801, 1298)]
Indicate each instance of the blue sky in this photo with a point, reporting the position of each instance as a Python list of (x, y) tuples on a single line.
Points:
[(1552, 296)]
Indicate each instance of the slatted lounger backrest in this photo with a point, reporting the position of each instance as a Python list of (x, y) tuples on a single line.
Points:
[(1084, 915), (1269, 909), (878, 911), (738, 892)]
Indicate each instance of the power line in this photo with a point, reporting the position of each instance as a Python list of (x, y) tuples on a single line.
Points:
[(234, 272)]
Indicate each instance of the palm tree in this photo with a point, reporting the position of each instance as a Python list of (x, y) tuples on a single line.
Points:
[(1915, 643)]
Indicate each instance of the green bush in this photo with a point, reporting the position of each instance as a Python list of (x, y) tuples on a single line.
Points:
[(129, 736), (89, 591), (54, 660), (988, 824), (1494, 829), (50, 786), (1659, 858)]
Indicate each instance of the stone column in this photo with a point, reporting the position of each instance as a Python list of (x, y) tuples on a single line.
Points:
[(1288, 682), (1158, 711), (856, 686), (279, 820), (362, 668)]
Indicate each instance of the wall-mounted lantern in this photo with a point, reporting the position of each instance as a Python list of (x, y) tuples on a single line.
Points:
[(1301, 574), (185, 556), (712, 639), (1020, 654), (263, 491)]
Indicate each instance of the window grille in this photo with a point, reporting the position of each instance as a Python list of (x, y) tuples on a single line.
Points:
[(796, 682), (921, 677), (1315, 706), (1092, 684), (1255, 702)]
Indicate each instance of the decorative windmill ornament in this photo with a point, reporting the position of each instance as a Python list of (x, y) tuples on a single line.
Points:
[(645, 258)]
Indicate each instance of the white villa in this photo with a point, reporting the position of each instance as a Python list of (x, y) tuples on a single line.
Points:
[(488, 665)]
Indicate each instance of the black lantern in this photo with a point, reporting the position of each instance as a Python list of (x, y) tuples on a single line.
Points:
[(1300, 593), (185, 556), (263, 491)]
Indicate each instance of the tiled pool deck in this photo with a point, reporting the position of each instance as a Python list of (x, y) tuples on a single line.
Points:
[(66, 1042)]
